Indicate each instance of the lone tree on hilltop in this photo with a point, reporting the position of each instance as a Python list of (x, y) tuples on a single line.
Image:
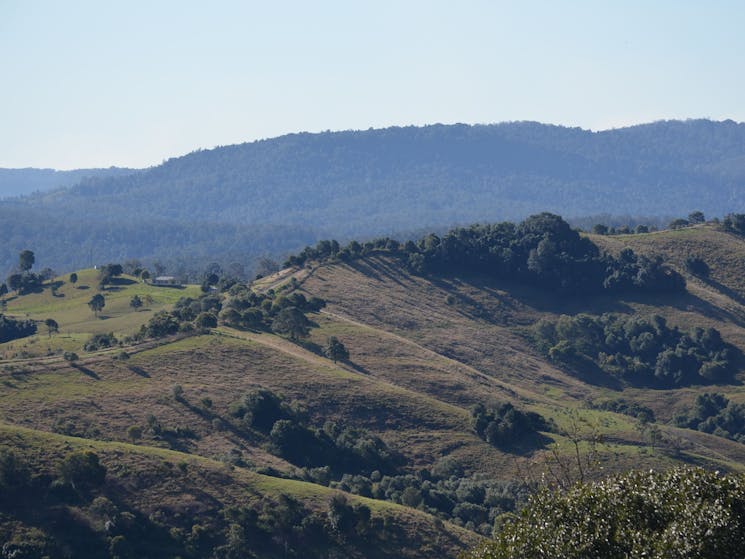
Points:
[(97, 303), (293, 322), (73, 278), (600, 229), (335, 350), (26, 260), (135, 302), (108, 273), (696, 217)]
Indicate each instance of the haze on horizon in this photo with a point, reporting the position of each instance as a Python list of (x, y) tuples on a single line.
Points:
[(91, 84)]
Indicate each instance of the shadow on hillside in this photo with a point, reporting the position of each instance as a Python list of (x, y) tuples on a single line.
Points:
[(86, 371), (556, 302), (122, 281), (590, 373), (387, 269), (364, 268), (512, 295), (224, 424), (139, 371), (728, 291), (691, 303), (355, 367), (528, 445), (36, 289)]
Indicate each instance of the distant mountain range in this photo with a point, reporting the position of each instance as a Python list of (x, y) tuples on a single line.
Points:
[(271, 196), (19, 182)]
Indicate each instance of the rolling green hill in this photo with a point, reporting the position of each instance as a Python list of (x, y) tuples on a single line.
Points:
[(67, 305), (404, 470)]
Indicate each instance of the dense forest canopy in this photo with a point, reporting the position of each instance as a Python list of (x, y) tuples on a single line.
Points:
[(302, 187)]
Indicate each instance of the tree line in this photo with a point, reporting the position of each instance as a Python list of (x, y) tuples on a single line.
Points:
[(542, 250)]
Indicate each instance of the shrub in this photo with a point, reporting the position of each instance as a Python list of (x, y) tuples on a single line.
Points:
[(178, 392), (82, 469), (335, 350), (134, 433), (70, 356), (14, 474), (697, 266), (100, 341)]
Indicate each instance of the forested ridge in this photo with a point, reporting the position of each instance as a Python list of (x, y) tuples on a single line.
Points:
[(303, 187), (19, 182)]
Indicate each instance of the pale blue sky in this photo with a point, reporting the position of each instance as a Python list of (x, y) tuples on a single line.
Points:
[(100, 83)]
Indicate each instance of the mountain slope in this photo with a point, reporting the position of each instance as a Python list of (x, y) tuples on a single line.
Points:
[(366, 183)]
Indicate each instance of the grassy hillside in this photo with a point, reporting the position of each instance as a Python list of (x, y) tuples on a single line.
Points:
[(68, 306), (423, 351), (484, 334)]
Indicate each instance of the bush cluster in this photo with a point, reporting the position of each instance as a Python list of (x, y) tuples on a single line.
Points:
[(244, 308), (504, 425), (642, 351), (714, 413), (343, 449), (443, 492), (633, 409), (13, 329)]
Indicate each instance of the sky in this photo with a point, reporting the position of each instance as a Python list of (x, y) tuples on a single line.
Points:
[(96, 84)]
